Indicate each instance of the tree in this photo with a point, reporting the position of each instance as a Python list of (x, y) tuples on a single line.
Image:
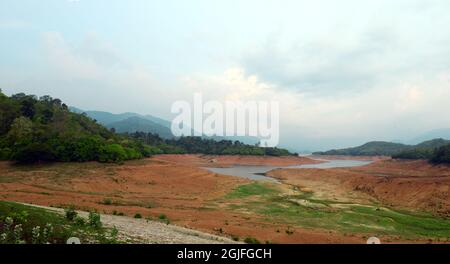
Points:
[(441, 155), (8, 112), (28, 108), (21, 130), (47, 115)]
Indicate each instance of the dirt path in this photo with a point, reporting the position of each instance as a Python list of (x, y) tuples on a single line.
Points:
[(151, 232)]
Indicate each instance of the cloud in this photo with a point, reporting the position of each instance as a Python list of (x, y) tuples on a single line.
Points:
[(92, 74), (402, 108), (350, 59)]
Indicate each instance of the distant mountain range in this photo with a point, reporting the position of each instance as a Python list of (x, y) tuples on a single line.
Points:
[(382, 148), (133, 122), (130, 122)]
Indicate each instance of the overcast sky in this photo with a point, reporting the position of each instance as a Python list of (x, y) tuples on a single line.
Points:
[(345, 71)]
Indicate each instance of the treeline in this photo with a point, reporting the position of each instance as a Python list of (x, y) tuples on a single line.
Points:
[(436, 155), (43, 129), (202, 145)]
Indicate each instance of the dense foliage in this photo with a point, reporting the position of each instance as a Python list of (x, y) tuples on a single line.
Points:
[(441, 155), (43, 129), (435, 150), (205, 146), (416, 153)]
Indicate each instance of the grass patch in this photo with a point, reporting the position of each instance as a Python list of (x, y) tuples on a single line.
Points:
[(252, 189), (40, 226)]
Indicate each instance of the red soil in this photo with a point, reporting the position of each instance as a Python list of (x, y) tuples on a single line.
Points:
[(173, 185), (184, 193), (230, 160), (407, 184)]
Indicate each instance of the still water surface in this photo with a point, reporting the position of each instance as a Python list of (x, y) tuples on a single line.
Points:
[(257, 172)]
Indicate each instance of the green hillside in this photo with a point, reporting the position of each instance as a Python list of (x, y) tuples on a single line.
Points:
[(43, 129), (423, 150), (375, 148)]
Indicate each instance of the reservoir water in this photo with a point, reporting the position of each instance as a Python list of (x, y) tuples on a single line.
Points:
[(257, 172)]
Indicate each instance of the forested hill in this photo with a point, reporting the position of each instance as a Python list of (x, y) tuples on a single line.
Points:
[(36, 129), (381, 148), (43, 129), (375, 148)]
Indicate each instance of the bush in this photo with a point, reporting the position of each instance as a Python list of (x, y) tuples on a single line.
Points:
[(132, 154), (5, 153), (112, 153), (107, 201), (148, 151), (94, 220), (71, 214), (162, 216), (251, 240), (137, 216), (79, 221)]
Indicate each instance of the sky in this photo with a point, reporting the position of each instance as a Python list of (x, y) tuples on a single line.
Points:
[(345, 72)]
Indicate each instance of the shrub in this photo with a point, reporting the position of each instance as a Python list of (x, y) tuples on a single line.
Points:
[(132, 154), (112, 153), (79, 221), (71, 214), (148, 151), (138, 216), (5, 153), (94, 220), (162, 217), (107, 201), (251, 240)]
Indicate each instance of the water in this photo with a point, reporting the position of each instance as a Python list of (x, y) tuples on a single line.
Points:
[(328, 164), (248, 172), (257, 172)]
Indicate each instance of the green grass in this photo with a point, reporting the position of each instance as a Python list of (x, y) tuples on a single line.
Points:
[(305, 210), (252, 189), (30, 217)]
